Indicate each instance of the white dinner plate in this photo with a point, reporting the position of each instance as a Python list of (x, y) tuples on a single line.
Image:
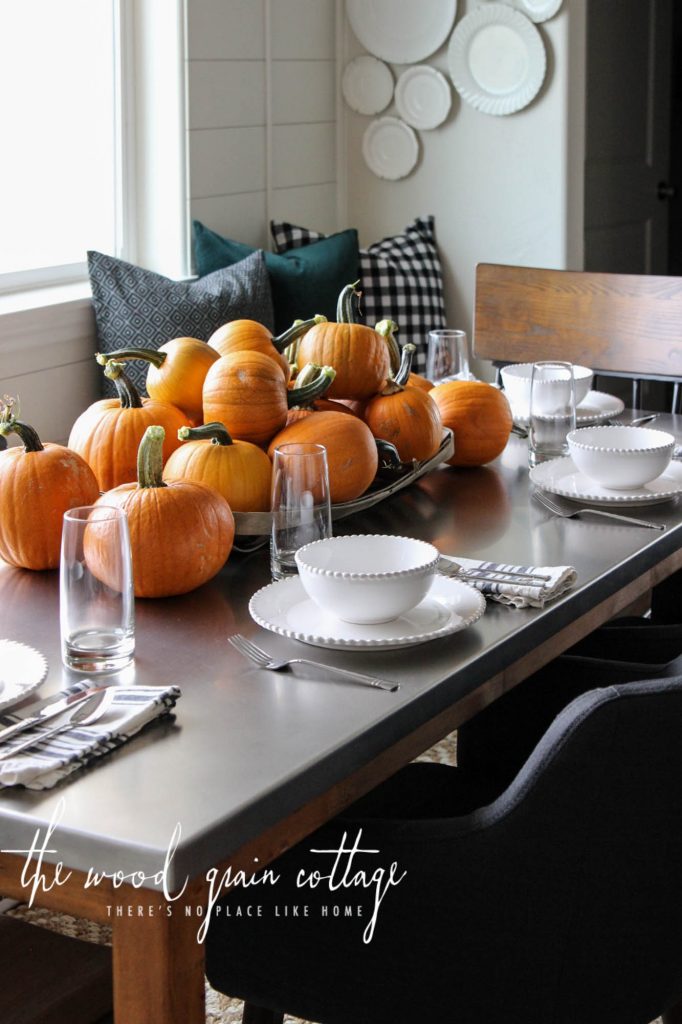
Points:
[(497, 59), (390, 148), (596, 407), (560, 476), (283, 607), (422, 96), (367, 85), (404, 33), (22, 670)]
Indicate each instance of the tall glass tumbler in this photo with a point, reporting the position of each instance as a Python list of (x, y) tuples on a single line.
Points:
[(96, 599), (301, 507), (552, 410), (447, 357)]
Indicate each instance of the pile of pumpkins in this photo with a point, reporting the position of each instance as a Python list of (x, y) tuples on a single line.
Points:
[(200, 446)]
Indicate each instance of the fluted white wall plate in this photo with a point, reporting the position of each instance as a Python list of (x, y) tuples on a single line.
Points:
[(367, 85), (423, 97), (537, 10), (497, 59), (285, 608), (22, 670), (390, 148), (399, 32)]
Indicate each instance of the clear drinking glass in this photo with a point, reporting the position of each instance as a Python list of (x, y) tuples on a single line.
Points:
[(96, 600), (447, 357), (301, 509), (552, 410)]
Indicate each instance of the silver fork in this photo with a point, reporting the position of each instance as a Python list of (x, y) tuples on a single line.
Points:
[(264, 660), (551, 503)]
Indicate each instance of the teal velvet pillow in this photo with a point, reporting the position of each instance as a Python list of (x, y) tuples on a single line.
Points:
[(303, 281)]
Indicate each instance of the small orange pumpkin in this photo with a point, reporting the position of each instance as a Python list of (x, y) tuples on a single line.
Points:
[(405, 416), (359, 354), (352, 456), (181, 532), (238, 470), (480, 417), (108, 434), (176, 374), (38, 483), (416, 381), (250, 336), (248, 393)]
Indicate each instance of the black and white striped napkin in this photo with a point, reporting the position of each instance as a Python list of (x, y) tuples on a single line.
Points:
[(518, 593), (47, 763)]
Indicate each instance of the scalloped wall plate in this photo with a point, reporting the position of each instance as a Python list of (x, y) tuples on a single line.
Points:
[(497, 59), (423, 97), (403, 36), (390, 148)]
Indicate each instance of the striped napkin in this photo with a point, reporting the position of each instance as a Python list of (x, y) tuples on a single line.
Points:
[(43, 766), (518, 593)]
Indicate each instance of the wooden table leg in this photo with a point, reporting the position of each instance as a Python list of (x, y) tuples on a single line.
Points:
[(158, 965)]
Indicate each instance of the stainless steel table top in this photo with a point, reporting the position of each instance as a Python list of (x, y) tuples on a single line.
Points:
[(247, 747)]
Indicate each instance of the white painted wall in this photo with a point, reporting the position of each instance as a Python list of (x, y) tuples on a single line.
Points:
[(503, 189)]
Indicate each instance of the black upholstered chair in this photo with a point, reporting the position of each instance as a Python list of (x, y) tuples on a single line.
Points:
[(555, 897)]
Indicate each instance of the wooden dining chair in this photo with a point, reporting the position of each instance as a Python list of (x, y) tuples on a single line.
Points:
[(621, 325)]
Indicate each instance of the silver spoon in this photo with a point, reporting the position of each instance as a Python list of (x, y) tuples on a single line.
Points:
[(84, 714)]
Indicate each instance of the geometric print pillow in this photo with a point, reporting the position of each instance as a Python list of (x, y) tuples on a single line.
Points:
[(400, 277), (138, 308)]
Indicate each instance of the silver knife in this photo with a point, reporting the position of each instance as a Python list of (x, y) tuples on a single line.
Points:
[(80, 711), (49, 712)]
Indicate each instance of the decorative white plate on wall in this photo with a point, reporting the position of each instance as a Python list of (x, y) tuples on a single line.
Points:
[(423, 97), (497, 59), (560, 476), (536, 10), (367, 85), (402, 33), (390, 148), (285, 608)]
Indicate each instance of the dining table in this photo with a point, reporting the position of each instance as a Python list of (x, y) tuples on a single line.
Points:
[(253, 761)]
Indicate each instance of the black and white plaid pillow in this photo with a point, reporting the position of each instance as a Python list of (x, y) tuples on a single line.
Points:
[(401, 279)]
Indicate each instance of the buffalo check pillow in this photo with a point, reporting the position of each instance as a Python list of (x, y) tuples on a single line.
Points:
[(401, 279)]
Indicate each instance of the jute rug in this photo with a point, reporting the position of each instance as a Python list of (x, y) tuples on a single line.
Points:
[(219, 1009)]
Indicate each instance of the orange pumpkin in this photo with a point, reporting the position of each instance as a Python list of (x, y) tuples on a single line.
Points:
[(181, 532), (107, 435), (359, 354), (250, 336), (38, 483), (351, 450), (405, 416), (238, 470), (416, 381), (248, 393), (176, 374), (480, 417)]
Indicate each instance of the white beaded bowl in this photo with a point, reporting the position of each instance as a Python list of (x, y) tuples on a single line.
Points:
[(367, 578), (621, 457), (516, 383)]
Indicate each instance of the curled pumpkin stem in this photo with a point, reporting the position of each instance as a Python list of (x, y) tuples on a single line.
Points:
[(150, 458), (387, 329), (345, 311), (128, 394), (124, 355), (290, 342), (305, 395), (9, 424), (216, 433)]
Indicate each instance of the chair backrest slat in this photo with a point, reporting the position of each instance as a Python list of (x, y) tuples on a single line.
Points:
[(625, 323)]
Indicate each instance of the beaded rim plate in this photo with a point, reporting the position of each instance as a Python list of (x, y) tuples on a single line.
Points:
[(560, 476), (422, 97), (284, 608), (22, 670), (367, 85), (390, 148)]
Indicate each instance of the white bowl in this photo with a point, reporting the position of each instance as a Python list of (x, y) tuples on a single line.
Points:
[(366, 579), (516, 383), (621, 457)]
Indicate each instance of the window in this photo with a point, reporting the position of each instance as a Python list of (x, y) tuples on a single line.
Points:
[(61, 186)]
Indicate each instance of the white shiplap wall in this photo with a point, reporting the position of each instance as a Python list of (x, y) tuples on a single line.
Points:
[(261, 114)]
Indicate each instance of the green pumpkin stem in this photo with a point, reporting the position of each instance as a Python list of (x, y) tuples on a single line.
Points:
[(399, 381), (300, 397), (128, 394), (216, 433), (124, 355), (345, 311), (150, 458), (387, 330), (9, 424), (298, 328)]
